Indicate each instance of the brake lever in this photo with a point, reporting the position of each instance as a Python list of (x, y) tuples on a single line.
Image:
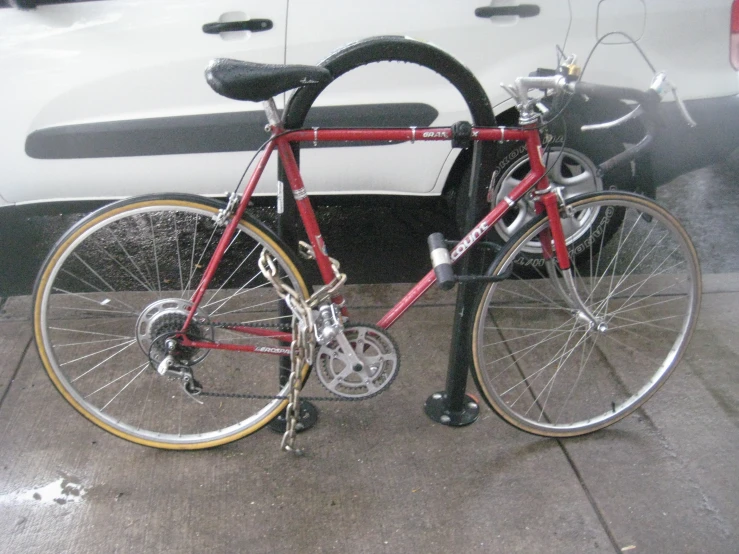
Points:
[(661, 85), (683, 110)]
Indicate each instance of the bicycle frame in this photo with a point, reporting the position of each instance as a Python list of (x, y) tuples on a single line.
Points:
[(282, 141)]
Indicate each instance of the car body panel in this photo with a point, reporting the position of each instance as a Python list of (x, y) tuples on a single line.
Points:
[(105, 64), (105, 99), (686, 38), (494, 49)]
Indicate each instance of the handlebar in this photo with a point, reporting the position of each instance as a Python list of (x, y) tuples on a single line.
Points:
[(647, 101), (646, 98)]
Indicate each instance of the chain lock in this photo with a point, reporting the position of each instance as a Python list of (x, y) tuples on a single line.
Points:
[(303, 346)]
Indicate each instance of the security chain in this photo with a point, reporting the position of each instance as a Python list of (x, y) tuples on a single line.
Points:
[(303, 346)]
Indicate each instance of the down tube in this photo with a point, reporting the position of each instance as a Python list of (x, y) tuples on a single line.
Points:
[(479, 231)]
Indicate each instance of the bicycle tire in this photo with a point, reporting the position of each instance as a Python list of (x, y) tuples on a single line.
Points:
[(545, 369), (145, 256)]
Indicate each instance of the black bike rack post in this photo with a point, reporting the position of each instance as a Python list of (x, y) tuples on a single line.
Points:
[(452, 406), (287, 230)]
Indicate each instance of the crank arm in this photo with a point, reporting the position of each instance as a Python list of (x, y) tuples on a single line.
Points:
[(351, 355)]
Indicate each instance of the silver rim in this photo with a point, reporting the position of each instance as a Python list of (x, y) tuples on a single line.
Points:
[(545, 370), (567, 168), (107, 277)]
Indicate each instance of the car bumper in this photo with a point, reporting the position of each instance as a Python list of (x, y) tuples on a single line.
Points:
[(678, 148)]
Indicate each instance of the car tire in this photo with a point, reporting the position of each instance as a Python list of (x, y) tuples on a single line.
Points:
[(574, 154)]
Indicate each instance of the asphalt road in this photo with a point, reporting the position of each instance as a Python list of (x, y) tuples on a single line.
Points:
[(387, 243)]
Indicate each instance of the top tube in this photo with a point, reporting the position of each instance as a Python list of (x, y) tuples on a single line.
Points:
[(411, 134)]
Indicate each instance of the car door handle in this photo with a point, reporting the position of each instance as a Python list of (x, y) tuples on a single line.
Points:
[(522, 10), (254, 25)]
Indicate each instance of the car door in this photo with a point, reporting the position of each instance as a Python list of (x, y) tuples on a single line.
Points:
[(104, 99), (497, 47)]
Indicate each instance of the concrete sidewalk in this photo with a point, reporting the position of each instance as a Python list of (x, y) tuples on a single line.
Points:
[(379, 476)]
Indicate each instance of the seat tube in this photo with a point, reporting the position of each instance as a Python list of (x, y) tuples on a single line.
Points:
[(305, 210)]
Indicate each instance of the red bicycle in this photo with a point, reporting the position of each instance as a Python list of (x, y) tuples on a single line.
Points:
[(154, 320)]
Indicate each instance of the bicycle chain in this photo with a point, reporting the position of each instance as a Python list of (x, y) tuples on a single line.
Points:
[(286, 327), (302, 348), (277, 397), (279, 327)]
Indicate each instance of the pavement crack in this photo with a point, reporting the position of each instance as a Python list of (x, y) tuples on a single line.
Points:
[(15, 372), (667, 448), (591, 499)]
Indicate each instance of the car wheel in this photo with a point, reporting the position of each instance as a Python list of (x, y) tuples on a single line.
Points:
[(572, 160)]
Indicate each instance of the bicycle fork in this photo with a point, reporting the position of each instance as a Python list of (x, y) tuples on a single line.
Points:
[(558, 259)]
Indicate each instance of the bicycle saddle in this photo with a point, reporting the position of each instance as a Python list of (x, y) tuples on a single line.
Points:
[(257, 82)]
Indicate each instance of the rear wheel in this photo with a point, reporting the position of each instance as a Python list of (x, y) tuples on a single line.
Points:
[(118, 285), (542, 366)]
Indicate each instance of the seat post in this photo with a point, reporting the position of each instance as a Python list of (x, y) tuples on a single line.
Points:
[(270, 108)]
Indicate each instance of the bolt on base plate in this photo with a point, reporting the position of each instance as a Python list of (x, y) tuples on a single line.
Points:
[(437, 408), (307, 419)]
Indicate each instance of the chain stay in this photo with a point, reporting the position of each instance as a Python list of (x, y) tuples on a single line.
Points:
[(277, 397)]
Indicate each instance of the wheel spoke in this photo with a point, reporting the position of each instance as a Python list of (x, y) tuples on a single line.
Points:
[(142, 280), (126, 346), (111, 297), (539, 295), (552, 371), (248, 307), (84, 332), (126, 343), (228, 279), (125, 386), (139, 368), (561, 364), (581, 370)]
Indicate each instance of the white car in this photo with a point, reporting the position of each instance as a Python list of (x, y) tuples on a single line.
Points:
[(105, 99)]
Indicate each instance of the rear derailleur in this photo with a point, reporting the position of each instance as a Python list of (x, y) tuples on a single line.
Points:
[(175, 368)]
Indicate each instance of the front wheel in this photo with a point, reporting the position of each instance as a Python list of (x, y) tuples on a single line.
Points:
[(119, 284), (546, 369)]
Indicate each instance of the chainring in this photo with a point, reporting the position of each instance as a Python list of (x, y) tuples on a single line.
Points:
[(379, 366)]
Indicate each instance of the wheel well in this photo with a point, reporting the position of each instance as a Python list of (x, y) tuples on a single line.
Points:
[(507, 118)]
